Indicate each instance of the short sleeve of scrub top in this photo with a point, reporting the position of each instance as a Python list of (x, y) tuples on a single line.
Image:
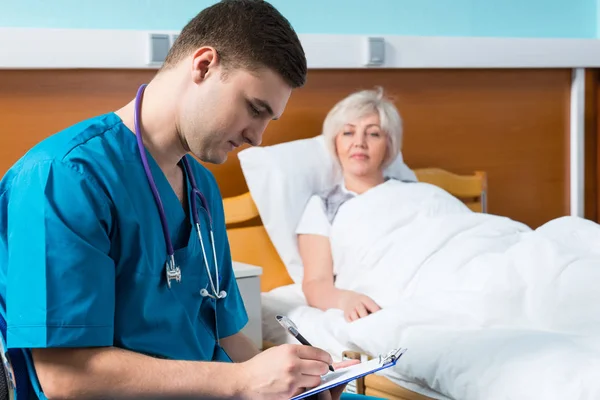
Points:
[(61, 280), (232, 315), (314, 220)]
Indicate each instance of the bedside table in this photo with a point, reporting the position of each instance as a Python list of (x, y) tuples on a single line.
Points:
[(248, 280)]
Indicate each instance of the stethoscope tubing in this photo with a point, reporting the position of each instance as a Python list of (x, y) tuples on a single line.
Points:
[(172, 269)]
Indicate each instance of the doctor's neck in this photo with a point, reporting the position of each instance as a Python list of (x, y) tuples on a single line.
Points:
[(158, 120)]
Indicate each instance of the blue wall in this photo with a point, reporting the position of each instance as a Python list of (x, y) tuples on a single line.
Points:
[(508, 18)]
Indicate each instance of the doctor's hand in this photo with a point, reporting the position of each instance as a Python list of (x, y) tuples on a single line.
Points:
[(284, 371), (356, 305), (336, 392)]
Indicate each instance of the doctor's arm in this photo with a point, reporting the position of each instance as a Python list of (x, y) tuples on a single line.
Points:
[(109, 372), (239, 347), (318, 285)]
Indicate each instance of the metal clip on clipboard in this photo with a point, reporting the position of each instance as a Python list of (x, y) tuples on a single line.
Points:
[(391, 357)]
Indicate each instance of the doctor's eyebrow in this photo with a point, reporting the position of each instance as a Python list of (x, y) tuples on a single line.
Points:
[(266, 106)]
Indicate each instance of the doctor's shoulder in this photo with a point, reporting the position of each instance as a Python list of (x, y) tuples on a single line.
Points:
[(61, 144), (54, 163)]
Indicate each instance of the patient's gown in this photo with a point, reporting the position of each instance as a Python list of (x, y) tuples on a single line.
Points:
[(319, 218)]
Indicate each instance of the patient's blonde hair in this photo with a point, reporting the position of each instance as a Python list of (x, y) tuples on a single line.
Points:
[(358, 105)]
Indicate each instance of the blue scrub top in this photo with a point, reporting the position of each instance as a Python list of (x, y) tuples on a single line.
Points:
[(82, 252)]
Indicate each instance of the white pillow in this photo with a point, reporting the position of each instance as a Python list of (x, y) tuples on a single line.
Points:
[(282, 178)]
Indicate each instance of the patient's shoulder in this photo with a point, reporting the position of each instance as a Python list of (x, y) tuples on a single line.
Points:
[(315, 204), (332, 199), (314, 220)]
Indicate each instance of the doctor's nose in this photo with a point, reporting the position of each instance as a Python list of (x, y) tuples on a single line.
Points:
[(253, 138)]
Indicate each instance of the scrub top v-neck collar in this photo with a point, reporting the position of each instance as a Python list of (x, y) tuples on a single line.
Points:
[(181, 229)]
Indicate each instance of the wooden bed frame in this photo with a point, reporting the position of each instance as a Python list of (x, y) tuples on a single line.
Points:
[(251, 245)]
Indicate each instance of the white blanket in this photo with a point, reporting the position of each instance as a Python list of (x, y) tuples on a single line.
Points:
[(488, 308)]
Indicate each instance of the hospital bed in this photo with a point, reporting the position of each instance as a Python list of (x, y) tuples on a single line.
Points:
[(250, 244)]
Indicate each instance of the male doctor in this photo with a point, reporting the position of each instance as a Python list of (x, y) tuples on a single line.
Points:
[(83, 285)]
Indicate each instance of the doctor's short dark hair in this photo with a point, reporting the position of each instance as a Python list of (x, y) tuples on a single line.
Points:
[(246, 34)]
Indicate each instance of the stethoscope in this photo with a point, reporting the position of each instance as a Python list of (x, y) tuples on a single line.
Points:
[(172, 271)]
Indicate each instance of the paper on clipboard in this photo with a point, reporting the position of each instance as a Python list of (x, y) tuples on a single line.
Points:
[(345, 375)]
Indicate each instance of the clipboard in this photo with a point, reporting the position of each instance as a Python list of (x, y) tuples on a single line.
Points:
[(345, 375)]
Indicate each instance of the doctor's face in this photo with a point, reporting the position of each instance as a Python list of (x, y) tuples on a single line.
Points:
[(361, 147), (225, 111)]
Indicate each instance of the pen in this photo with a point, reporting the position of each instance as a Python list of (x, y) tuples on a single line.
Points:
[(293, 330)]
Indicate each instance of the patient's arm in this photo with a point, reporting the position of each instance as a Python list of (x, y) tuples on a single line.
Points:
[(317, 285)]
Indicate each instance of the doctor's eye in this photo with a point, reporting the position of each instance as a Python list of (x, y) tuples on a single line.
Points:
[(255, 112)]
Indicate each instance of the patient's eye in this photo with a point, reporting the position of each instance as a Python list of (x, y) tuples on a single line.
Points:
[(348, 133), (374, 134)]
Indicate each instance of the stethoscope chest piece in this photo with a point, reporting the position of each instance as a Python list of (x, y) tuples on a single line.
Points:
[(172, 272)]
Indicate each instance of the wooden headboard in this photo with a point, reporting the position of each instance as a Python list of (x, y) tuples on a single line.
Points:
[(252, 245), (511, 123)]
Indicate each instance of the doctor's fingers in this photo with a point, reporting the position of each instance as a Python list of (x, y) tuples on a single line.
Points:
[(333, 393), (313, 353), (345, 364), (312, 368), (307, 381)]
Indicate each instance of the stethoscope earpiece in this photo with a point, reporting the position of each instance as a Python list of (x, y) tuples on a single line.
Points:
[(204, 293)]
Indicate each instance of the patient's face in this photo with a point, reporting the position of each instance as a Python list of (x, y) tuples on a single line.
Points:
[(362, 146)]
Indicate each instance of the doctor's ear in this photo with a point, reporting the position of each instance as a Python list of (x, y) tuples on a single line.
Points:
[(203, 60)]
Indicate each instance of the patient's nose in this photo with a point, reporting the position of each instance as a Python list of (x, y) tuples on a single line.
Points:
[(360, 140)]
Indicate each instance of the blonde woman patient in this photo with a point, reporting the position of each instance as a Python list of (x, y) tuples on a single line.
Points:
[(364, 133)]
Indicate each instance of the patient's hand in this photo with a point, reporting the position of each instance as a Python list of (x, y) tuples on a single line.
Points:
[(356, 305)]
